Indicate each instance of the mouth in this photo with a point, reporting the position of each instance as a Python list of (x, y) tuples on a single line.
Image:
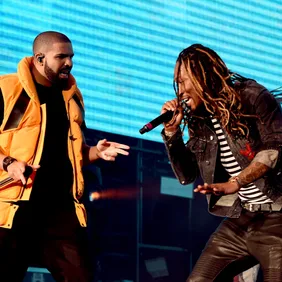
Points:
[(187, 101), (186, 106), (64, 74)]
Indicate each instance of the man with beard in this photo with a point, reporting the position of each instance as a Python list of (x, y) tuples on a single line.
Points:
[(42, 152)]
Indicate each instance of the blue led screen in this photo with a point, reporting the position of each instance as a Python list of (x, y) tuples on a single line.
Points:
[(125, 50)]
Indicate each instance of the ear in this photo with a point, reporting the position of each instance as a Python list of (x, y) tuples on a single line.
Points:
[(39, 57)]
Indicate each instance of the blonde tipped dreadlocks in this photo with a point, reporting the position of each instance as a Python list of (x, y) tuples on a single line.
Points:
[(214, 84)]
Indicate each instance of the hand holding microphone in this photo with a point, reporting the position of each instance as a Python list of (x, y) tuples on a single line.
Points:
[(28, 171), (172, 125), (171, 116)]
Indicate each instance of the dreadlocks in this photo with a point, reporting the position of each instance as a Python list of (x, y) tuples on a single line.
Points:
[(215, 86)]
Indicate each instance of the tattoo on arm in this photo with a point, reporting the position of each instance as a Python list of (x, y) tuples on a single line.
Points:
[(253, 172)]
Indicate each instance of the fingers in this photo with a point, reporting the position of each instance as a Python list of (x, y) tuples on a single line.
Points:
[(122, 152), (174, 106), (110, 150), (109, 158), (117, 148), (114, 152), (16, 171), (23, 180), (106, 143), (119, 145), (171, 105), (35, 167), (21, 171), (203, 189), (102, 142), (209, 189)]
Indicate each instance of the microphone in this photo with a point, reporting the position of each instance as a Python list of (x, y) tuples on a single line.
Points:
[(28, 171), (165, 117)]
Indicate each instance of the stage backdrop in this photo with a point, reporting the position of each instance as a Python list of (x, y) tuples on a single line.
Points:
[(125, 50)]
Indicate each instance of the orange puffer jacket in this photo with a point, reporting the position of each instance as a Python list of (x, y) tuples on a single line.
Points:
[(25, 141)]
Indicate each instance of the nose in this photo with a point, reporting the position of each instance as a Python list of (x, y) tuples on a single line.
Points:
[(180, 89), (68, 62)]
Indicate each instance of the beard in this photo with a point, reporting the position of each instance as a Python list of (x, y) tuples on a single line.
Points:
[(54, 77)]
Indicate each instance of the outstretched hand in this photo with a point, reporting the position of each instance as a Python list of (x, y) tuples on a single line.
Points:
[(218, 189), (110, 150)]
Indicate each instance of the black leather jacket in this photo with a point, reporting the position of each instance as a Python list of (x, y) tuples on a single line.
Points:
[(199, 157)]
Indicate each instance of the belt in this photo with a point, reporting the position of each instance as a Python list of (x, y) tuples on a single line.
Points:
[(261, 207)]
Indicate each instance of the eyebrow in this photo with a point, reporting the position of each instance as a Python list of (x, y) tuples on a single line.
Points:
[(65, 54), (179, 80)]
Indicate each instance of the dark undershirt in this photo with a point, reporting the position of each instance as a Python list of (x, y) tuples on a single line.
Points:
[(54, 178)]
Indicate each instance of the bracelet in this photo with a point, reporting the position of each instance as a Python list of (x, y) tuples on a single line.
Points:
[(169, 134), (237, 180), (7, 161)]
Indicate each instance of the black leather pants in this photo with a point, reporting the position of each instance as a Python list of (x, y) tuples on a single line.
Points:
[(239, 244)]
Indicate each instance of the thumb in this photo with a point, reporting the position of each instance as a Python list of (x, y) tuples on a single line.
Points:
[(102, 142), (35, 167)]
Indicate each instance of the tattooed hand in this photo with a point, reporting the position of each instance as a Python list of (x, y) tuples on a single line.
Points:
[(251, 173)]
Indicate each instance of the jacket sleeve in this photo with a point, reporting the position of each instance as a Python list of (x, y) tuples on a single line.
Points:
[(182, 160), (269, 122), (267, 157)]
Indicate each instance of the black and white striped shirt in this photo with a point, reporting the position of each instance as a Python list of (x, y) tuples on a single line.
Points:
[(250, 193)]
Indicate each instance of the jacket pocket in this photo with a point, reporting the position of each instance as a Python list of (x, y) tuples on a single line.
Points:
[(7, 212), (81, 214), (197, 145)]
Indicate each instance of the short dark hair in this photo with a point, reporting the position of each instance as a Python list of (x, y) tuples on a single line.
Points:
[(47, 38)]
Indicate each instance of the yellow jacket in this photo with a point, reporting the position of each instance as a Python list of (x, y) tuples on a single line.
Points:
[(25, 142)]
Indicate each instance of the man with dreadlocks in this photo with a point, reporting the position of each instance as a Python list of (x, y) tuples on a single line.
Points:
[(235, 139)]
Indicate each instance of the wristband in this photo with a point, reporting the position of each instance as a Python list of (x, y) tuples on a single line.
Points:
[(236, 179), (169, 134), (7, 161)]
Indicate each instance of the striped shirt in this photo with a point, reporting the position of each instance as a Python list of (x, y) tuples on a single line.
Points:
[(248, 194)]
